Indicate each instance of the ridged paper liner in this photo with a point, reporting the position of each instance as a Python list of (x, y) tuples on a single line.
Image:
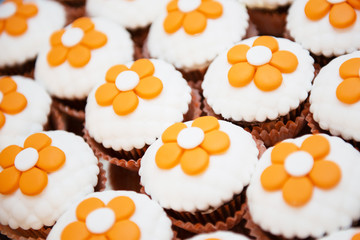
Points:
[(25, 69), (272, 132)]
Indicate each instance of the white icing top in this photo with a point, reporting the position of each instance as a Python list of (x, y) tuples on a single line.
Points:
[(30, 120), (148, 216), (227, 175), (75, 179), (67, 82), (191, 52), (320, 37), (326, 212), (249, 103), (343, 234), (331, 114), (148, 120), (18, 49), (221, 235), (129, 14), (266, 4)]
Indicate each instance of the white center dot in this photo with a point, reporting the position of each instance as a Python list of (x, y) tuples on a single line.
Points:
[(190, 138), (100, 220), (127, 80), (1, 96), (299, 164), (188, 5), (7, 9), (336, 1), (26, 159), (259, 55), (72, 36)]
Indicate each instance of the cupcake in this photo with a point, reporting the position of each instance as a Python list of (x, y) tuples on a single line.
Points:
[(40, 179), (135, 16), (113, 215), (219, 235), (76, 58), (198, 172), (24, 109), (132, 106), (334, 99), (269, 16), (25, 27), (347, 234), (261, 84), (190, 33), (326, 28), (304, 188)]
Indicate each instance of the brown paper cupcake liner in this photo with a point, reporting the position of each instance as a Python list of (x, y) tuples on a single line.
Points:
[(21, 234), (101, 184), (25, 69)]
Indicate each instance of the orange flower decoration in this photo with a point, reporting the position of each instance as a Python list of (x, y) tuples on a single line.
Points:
[(123, 86), (341, 13), (349, 90), (96, 220), (356, 237), (191, 147), (263, 63), (192, 15), (11, 101), (75, 43), (14, 15), (26, 168), (296, 170)]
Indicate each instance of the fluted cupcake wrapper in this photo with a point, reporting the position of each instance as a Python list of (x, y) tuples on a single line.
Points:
[(25, 69), (21, 234)]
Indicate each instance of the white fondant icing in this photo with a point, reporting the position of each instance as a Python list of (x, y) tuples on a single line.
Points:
[(227, 175), (320, 37), (67, 82), (258, 55), (191, 52), (72, 36), (127, 80), (327, 211), (343, 234), (74, 180), (18, 49), (150, 117), (339, 118), (30, 120), (250, 103), (266, 4), (336, 1), (188, 5), (26, 159), (129, 14), (7, 9), (1, 96), (149, 216), (190, 138), (100, 220), (223, 235), (299, 164)]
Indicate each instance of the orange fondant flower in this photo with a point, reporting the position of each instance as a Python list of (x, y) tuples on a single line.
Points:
[(356, 237), (27, 167), (349, 90), (96, 220), (14, 15), (263, 63), (11, 101), (191, 147), (296, 170), (192, 15), (75, 43), (124, 85), (341, 13)]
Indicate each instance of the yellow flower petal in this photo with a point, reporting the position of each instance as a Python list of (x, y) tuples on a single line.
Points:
[(267, 78), (354, 3), (317, 146), (350, 68), (216, 142), (125, 103), (2, 119), (7, 84), (79, 56), (281, 151), (325, 174), (15, 25), (356, 237), (171, 133), (241, 74), (172, 6), (8, 155), (267, 41), (87, 206), (75, 230), (143, 67), (2, 26), (237, 53), (349, 91), (173, 21), (297, 191), (106, 94), (168, 155), (342, 15), (123, 207), (124, 230), (149, 87), (194, 22), (33, 181), (94, 39), (285, 61), (114, 72), (51, 159), (13, 103), (57, 55), (55, 38), (194, 161), (274, 177), (84, 23), (317, 9), (27, 10), (38, 141), (9, 180), (211, 9), (206, 123)]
